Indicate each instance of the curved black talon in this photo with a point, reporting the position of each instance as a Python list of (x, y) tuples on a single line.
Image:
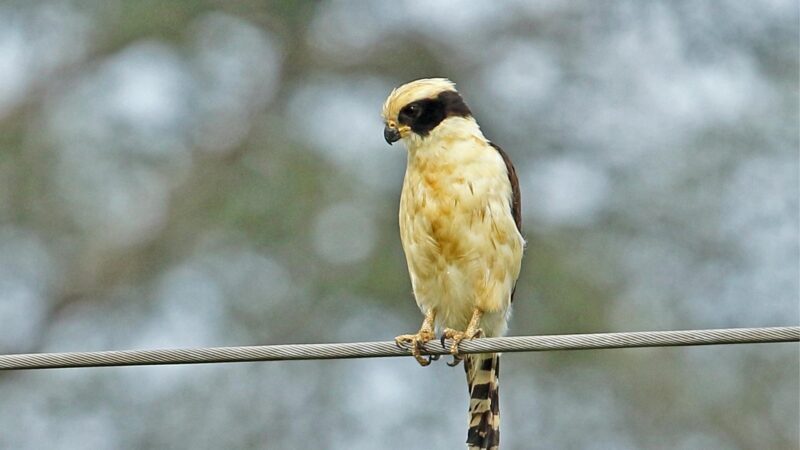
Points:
[(456, 361), (442, 341)]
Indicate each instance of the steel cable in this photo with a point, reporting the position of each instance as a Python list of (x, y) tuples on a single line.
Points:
[(382, 349)]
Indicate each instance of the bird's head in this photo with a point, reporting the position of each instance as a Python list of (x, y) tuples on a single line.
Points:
[(415, 109)]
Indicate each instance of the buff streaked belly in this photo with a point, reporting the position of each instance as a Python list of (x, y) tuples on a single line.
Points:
[(461, 243)]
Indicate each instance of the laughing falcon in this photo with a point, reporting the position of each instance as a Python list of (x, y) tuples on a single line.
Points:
[(460, 225)]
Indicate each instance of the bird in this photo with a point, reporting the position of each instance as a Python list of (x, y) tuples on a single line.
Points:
[(461, 231)]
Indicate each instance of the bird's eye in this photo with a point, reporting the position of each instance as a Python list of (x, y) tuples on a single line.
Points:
[(410, 113)]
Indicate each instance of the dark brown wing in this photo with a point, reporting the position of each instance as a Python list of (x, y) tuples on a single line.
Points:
[(516, 200)]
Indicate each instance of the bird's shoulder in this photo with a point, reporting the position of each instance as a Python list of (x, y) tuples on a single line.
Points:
[(516, 195)]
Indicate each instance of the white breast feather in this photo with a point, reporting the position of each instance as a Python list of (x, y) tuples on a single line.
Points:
[(461, 243)]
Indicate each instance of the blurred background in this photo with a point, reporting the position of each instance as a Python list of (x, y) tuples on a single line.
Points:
[(208, 173)]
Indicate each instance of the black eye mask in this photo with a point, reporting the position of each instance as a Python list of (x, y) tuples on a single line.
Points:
[(425, 115)]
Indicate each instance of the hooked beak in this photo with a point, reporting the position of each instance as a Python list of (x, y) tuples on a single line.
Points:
[(391, 134)]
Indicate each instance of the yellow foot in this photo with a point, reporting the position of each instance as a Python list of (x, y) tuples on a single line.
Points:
[(415, 342), (458, 336)]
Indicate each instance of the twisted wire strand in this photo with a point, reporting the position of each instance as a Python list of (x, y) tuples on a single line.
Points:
[(382, 349)]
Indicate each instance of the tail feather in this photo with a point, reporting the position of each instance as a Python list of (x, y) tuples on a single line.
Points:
[(483, 372)]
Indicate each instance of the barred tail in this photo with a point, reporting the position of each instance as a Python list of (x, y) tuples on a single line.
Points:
[(483, 371)]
